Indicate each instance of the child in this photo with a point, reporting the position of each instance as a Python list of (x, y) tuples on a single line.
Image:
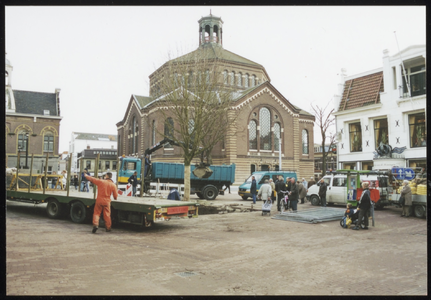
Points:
[(347, 219)]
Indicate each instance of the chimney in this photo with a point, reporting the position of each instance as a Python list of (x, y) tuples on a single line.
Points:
[(88, 147)]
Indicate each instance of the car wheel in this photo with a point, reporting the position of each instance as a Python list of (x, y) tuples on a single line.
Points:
[(244, 197), (419, 211), (315, 200)]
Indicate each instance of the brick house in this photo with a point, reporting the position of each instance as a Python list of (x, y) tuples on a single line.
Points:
[(264, 115), (32, 127)]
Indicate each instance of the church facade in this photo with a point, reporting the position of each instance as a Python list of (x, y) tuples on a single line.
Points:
[(266, 122)]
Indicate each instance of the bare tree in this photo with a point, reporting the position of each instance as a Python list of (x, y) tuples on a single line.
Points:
[(190, 90), (324, 120)]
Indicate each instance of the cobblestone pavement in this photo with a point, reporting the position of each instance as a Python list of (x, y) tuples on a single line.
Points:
[(228, 254)]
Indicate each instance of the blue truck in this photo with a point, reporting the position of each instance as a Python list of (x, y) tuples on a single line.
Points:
[(208, 186)]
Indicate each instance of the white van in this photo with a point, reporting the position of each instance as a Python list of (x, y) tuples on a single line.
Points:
[(336, 192)]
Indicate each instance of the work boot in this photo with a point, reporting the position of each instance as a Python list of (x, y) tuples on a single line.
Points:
[(108, 230), (355, 228), (94, 229)]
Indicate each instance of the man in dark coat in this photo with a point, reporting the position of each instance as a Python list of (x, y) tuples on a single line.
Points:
[(280, 186), (147, 165), (294, 195), (133, 180), (174, 195), (364, 207), (253, 189), (322, 192)]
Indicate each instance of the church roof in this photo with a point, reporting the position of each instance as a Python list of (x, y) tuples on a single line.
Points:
[(214, 51), (35, 103), (362, 91), (142, 100)]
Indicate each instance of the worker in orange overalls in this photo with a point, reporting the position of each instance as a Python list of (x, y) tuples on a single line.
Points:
[(105, 188)]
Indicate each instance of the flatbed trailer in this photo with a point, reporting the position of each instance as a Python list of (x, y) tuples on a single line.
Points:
[(134, 210)]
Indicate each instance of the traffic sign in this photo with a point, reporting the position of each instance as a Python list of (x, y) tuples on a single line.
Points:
[(409, 174), (398, 173)]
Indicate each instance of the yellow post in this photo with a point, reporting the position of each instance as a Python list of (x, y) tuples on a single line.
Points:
[(45, 180), (31, 172)]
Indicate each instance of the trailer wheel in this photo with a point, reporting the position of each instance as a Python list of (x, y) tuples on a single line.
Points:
[(54, 209), (315, 200), (210, 192), (199, 194), (419, 211), (78, 212)]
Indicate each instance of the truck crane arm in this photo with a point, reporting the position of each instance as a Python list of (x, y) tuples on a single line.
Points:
[(159, 145)]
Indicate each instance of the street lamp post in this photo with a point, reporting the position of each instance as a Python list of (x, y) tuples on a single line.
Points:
[(26, 151), (19, 150)]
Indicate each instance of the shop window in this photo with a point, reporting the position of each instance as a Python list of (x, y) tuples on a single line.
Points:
[(114, 165), (417, 129)]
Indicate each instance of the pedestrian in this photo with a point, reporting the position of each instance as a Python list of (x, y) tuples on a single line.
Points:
[(84, 180), (363, 206), (147, 165), (305, 183), (54, 180), (227, 187), (302, 192), (75, 182), (272, 184), (64, 179), (322, 192), (293, 195), (406, 192), (174, 195), (133, 180), (105, 188), (253, 189), (289, 183), (280, 186), (311, 182), (265, 191)]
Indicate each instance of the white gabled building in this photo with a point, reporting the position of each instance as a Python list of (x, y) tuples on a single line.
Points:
[(81, 141), (378, 106)]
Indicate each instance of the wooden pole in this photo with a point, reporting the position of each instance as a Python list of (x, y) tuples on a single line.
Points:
[(142, 176), (31, 172), (45, 180), (96, 173), (68, 175), (17, 169)]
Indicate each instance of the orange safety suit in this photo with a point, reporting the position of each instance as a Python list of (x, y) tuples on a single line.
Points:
[(105, 188)]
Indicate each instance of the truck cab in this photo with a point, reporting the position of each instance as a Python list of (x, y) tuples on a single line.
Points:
[(128, 165), (261, 176)]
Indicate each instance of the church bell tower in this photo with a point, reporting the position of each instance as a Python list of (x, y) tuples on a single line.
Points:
[(210, 30)]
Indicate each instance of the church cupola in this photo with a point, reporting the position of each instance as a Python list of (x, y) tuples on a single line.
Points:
[(210, 30)]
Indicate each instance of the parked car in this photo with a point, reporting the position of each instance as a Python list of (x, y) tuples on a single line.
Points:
[(261, 176)]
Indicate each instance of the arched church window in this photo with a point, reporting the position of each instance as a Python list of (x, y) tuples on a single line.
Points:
[(277, 134), (304, 141), (232, 78), (252, 135), (169, 130), (225, 76), (265, 129), (253, 80), (153, 137), (246, 80), (239, 79)]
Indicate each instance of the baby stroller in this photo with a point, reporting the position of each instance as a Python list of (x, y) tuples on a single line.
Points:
[(266, 207), (345, 223)]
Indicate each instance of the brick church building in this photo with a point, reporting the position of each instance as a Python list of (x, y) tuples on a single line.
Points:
[(264, 116)]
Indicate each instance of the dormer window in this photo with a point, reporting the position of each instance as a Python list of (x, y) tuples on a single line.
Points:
[(46, 112)]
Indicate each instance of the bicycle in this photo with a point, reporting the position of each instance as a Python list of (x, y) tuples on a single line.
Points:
[(284, 204)]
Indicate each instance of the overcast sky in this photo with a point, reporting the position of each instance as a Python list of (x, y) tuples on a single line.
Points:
[(100, 56)]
